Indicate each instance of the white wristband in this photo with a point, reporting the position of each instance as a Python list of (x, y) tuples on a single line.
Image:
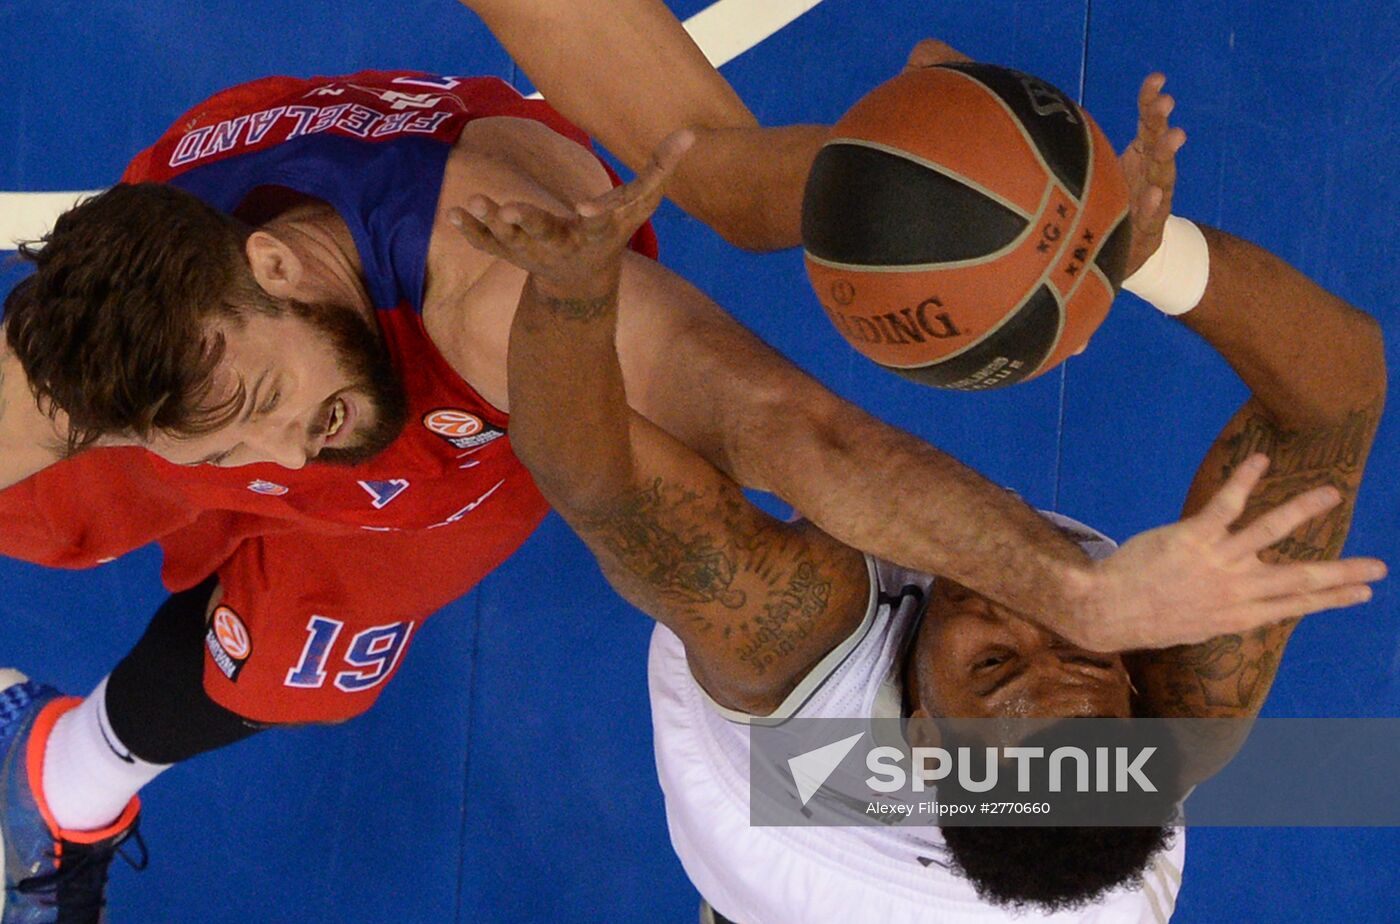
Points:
[(1174, 278)]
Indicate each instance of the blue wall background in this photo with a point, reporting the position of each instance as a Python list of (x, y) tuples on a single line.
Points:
[(506, 776)]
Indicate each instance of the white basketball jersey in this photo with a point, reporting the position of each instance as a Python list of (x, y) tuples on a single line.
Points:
[(851, 875)]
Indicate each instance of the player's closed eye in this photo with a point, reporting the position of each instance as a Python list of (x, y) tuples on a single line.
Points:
[(990, 662), (1088, 662)]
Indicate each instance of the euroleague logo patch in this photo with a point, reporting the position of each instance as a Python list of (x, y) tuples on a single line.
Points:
[(462, 429), (270, 488), (228, 642)]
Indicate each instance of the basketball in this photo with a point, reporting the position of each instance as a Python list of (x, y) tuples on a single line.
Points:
[(965, 226)]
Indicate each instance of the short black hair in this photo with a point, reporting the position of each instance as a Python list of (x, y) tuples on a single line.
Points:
[(1051, 869), (113, 326)]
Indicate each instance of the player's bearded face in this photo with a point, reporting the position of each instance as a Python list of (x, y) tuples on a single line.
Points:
[(314, 382), (361, 355)]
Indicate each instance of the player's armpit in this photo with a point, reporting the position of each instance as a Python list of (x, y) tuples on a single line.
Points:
[(756, 601), (511, 159), (1230, 675), (470, 295)]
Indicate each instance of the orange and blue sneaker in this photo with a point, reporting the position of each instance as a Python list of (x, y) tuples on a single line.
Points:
[(52, 876)]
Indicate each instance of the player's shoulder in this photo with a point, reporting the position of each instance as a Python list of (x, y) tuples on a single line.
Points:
[(470, 296), (515, 155)]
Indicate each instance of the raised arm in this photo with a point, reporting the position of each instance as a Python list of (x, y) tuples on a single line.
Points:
[(756, 601), (754, 416), (1315, 368), (627, 72), (835, 463), (695, 374)]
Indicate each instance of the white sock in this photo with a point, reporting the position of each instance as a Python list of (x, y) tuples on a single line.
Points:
[(89, 776)]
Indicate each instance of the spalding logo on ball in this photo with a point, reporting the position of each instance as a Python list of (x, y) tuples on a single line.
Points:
[(965, 226)]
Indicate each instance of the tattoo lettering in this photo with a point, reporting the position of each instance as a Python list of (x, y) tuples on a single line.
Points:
[(1232, 674), (1301, 461), (1339, 448), (785, 619)]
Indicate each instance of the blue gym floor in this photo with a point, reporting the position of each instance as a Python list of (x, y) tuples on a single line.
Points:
[(507, 775)]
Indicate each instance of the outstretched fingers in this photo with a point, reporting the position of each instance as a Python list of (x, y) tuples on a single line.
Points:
[(473, 223), (1225, 507), (1301, 578), (501, 222), (1154, 151), (1247, 616), (577, 251), (627, 207), (1154, 107), (534, 221), (1275, 525), (520, 233), (1156, 138)]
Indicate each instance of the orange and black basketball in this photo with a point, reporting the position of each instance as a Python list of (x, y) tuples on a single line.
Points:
[(965, 226)]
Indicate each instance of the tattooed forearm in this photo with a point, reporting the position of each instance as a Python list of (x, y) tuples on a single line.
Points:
[(750, 596), (1301, 461), (639, 535), (1226, 676), (1339, 448), (1231, 675)]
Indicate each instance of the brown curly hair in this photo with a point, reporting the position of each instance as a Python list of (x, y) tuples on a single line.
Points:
[(113, 328)]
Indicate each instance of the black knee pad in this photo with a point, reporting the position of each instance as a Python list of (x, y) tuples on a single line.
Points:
[(155, 698)]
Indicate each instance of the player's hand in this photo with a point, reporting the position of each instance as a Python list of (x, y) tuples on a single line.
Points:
[(1149, 164), (1196, 579), (578, 255), (931, 53)]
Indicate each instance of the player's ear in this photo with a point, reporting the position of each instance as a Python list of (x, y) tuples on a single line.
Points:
[(921, 731), (274, 265)]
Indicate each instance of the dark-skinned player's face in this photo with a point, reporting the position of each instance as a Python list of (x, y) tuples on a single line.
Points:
[(981, 660)]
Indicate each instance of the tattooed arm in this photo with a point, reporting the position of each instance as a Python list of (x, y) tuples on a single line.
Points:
[(1316, 368), (756, 601)]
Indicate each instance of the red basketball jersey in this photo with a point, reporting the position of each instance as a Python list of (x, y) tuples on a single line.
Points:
[(373, 145)]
